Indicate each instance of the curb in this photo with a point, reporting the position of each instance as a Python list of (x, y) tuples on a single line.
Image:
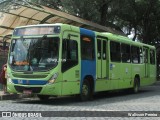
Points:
[(9, 97), (14, 96)]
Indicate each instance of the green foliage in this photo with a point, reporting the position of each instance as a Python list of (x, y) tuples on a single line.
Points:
[(85, 9), (140, 17), (49, 3)]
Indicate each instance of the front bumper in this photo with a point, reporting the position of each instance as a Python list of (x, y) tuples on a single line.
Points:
[(48, 89)]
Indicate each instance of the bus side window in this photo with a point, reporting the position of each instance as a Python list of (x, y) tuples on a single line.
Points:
[(99, 49), (135, 54), (69, 54), (152, 57), (145, 53), (104, 50), (115, 51), (126, 53), (87, 48), (141, 55), (64, 49)]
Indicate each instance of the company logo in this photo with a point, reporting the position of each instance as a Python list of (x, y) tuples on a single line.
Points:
[(27, 82), (6, 114), (20, 81)]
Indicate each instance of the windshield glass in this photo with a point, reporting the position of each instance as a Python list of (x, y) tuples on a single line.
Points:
[(34, 54)]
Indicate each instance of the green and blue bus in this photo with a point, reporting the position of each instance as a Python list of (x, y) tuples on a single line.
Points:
[(61, 59)]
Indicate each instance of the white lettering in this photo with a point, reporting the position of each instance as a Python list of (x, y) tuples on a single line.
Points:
[(151, 115), (34, 115)]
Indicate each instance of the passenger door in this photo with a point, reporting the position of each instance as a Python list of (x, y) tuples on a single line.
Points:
[(70, 63), (102, 82), (101, 60), (146, 61)]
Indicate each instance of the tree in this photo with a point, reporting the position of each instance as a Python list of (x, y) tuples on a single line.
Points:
[(141, 17), (49, 3)]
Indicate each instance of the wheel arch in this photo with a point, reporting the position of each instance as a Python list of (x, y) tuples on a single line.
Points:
[(138, 78), (90, 79)]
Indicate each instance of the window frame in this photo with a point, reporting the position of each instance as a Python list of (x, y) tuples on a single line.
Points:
[(152, 57), (124, 53), (84, 48), (135, 54), (68, 63), (118, 52)]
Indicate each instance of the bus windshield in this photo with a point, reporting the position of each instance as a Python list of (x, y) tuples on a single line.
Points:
[(34, 54)]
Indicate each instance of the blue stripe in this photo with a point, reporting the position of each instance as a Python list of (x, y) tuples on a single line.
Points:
[(88, 67), (29, 82), (87, 32)]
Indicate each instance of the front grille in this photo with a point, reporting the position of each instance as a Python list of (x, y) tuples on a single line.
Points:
[(29, 82), (29, 76), (33, 89)]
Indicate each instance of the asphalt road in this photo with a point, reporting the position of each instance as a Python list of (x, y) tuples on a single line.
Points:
[(148, 99)]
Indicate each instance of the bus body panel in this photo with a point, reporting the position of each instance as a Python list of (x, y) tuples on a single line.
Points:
[(71, 77), (106, 74), (126, 71)]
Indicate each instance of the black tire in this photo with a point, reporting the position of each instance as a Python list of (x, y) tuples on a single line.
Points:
[(136, 86), (86, 91), (43, 97)]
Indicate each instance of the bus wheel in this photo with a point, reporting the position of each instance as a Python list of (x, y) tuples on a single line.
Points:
[(136, 85), (86, 91), (43, 97)]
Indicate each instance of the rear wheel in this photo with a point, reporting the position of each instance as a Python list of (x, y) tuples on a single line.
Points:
[(43, 97), (135, 88), (86, 91)]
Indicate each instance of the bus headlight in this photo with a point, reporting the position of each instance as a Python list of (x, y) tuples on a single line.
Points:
[(53, 78), (9, 78)]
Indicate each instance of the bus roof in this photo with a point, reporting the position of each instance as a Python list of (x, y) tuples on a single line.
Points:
[(40, 25), (124, 39), (110, 36)]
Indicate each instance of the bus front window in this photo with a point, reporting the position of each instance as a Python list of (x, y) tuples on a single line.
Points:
[(34, 54)]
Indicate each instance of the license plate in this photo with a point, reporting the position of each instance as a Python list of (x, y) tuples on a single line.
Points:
[(27, 91)]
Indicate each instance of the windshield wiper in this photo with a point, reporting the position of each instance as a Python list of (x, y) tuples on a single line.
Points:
[(37, 45)]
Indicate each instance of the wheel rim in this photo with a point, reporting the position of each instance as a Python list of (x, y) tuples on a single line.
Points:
[(85, 90), (136, 88)]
